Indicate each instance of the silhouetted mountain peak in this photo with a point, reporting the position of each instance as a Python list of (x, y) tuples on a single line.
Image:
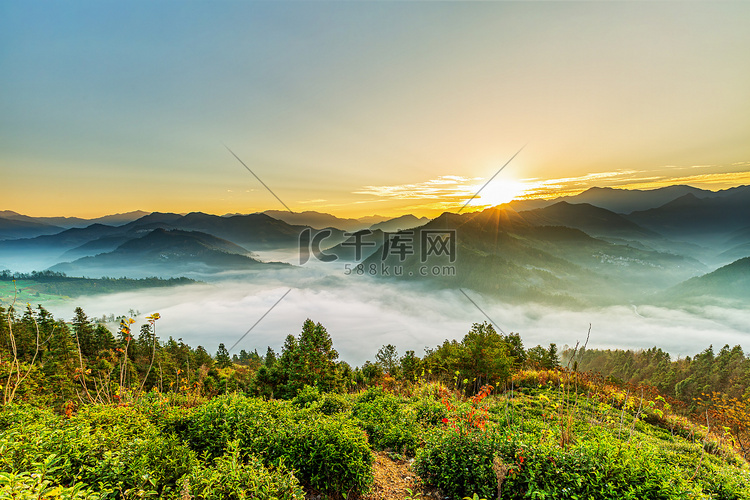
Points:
[(171, 240)]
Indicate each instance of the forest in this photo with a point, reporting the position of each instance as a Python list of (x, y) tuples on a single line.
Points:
[(91, 413)]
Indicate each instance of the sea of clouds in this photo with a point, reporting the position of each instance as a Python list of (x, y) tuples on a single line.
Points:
[(362, 313)]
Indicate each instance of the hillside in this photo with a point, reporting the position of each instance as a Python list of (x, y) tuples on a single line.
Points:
[(503, 253), (592, 220), (482, 416), (42, 287), (167, 253), (730, 283), (13, 228), (692, 218)]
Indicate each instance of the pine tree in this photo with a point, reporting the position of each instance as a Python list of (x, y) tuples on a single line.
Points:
[(222, 357)]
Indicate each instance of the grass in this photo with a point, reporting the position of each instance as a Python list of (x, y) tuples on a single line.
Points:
[(550, 435), (28, 291)]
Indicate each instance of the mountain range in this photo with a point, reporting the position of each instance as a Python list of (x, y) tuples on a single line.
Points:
[(602, 246), (163, 252), (625, 201)]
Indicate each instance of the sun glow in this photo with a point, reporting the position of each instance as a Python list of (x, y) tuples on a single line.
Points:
[(499, 191)]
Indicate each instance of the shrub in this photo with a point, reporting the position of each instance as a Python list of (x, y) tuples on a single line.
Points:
[(307, 396), (142, 467), (598, 468), (429, 411), (115, 448), (334, 403), (388, 424), (26, 486), (459, 462), (328, 452), (230, 477)]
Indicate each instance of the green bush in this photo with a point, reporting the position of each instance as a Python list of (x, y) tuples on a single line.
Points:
[(143, 466), (230, 477), (430, 411), (389, 424), (600, 468), (22, 414), (327, 452), (308, 396), (111, 448), (333, 403), (459, 462), (26, 486)]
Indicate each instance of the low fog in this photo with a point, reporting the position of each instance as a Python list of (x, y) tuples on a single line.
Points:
[(362, 313)]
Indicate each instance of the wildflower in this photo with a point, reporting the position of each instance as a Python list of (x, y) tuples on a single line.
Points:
[(445, 420)]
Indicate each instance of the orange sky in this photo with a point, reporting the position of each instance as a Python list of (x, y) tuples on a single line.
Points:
[(365, 108)]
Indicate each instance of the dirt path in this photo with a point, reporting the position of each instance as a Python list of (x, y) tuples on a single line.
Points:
[(395, 480)]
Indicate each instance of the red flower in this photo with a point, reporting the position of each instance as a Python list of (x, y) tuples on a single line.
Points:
[(445, 420), (520, 460)]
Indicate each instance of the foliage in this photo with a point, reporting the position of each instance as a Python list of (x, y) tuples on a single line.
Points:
[(459, 462), (27, 486), (129, 417), (482, 357), (231, 476), (732, 415), (389, 424), (327, 452)]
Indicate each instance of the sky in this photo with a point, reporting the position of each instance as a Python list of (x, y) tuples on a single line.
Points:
[(361, 108)]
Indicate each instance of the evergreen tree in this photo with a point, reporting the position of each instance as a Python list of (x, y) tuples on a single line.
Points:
[(222, 357), (387, 357), (202, 358), (84, 333), (309, 360)]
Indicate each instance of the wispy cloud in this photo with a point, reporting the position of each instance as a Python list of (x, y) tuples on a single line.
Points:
[(448, 192), (636, 179), (455, 187)]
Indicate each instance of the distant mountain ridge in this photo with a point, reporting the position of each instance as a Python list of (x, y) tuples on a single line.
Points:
[(625, 201), (12, 227), (321, 220), (112, 220), (593, 220), (167, 251), (520, 256), (407, 221), (316, 220), (728, 283), (690, 215)]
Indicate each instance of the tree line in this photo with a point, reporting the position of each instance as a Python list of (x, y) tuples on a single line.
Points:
[(683, 379), (83, 360), (53, 362)]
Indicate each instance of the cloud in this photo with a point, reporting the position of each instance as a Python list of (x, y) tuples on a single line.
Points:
[(454, 187), (362, 314), (634, 179)]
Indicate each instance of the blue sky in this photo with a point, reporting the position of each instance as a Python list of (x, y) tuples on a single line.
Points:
[(357, 108)]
